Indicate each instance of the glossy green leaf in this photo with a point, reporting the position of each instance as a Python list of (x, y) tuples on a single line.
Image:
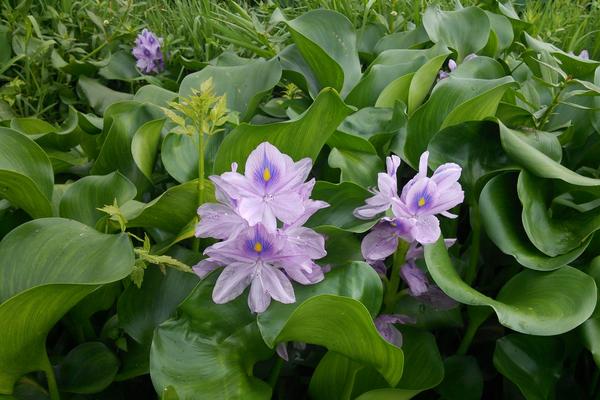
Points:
[(387, 394), (463, 379), (475, 146), (453, 101), (532, 302), (396, 90), (303, 137), (532, 363), (424, 77), (171, 211), (26, 177), (358, 167), (343, 199), (49, 264), (98, 96), (552, 233), (501, 217), (121, 139), (88, 368), (501, 31), (465, 30), (327, 41), (316, 318), (142, 309), (333, 378), (244, 85), (410, 39), (210, 349), (538, 162), (155, 95), (144, 146), (82, 199)]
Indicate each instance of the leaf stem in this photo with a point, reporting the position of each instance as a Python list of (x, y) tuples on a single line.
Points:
[(471, 272), (51, 379), (274, 376), (399, 258), (196, 243), (552, 106)]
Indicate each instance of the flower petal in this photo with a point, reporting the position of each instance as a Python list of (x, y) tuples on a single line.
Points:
[(232, 282), (380, 243), (427, 229), (205, 267), (277, 284), (218, 221)]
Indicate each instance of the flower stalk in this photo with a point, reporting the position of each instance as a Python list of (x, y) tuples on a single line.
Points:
[(393, 285)]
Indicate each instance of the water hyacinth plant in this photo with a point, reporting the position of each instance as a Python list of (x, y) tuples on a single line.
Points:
[(387, 205)]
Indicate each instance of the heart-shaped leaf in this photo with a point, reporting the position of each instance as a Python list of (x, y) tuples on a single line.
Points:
[(303, 137), (244, 85), (501, 216), (49, 265), (465, 30), (532, 302), (82, 199), (327, 41), (88, 368), (532, 363), (26, 177)]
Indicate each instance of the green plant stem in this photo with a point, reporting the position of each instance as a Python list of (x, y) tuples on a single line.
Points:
[(465, 343), (52, 386), (391, 291), (196, 243), (274, 376), (552, 106), (471, 272)]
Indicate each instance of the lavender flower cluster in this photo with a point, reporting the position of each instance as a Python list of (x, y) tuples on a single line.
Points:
[(259, 218), (412, 219), (148, 53)]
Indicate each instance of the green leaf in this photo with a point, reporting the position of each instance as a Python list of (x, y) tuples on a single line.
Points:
[(538, 162), (120, 66), (303, 137), (88, 368), (532, 302), (552, 233), (142, 309), (26, 177), (98, 96), (475, 146), (387, 394), (333, 378), (358, 167), (463, 379), (244, 85), (155, 95), (453, 101), (343, 199), (327, 41), (49, 265), (501, 217), (424, 77), (502, 31), (465, 30), (210, 349), (122, 143), (171, 211), (82, 198), (532, 363), (336, 313), (144, 146)]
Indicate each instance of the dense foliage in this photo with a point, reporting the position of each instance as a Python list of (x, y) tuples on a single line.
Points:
[(99, 207)]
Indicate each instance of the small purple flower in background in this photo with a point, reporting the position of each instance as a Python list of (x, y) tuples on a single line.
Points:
[(584, 55), (148, 53), (257, 251), (385, 325), (451, 66)]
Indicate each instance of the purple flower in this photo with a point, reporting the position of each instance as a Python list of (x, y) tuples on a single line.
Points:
[(584, 55), (263, 260), (419, 285), (383, 239), (423, 197), (470, 57), (451, 66), (386, 192), (271, 188), (147, 52), (385, 325)]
